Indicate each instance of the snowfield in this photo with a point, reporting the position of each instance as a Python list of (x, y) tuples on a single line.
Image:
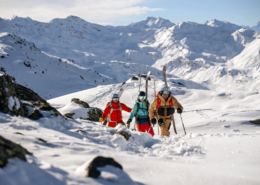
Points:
[(213, 70)]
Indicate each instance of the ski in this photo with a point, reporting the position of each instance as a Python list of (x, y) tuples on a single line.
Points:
[(154, 87), (140, 77), (146, 87), (165, 80), (122, 89)]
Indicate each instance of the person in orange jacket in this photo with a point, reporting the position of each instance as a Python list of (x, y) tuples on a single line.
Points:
[(164, 103), (114, 111)]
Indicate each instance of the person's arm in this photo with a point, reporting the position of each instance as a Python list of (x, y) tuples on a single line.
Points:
[(133, 112), (152, 107), (125, 108), (106, 112), (176, 104)]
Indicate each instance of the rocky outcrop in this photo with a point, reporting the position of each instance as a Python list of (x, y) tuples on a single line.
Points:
[(99, 161), (124, 134), (78, 101), (257, 121), (69, 115), (17, 100), (94, 114), (9, 149)]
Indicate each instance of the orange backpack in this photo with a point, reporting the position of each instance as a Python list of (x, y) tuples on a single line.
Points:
[(159, 102)]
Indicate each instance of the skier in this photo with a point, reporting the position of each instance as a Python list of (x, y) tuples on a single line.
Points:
[(164, 104), (114, 112), (140, 111)]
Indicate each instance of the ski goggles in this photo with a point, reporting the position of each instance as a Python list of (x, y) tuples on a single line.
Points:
[(115, 99), (165, 92), (142, 97)]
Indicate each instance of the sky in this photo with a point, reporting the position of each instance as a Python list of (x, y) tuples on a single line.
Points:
[(124, 12)]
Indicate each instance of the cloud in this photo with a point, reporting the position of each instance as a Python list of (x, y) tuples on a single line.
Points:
[(99, 11)]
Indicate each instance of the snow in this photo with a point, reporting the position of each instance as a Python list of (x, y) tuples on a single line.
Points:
[(213, 70)]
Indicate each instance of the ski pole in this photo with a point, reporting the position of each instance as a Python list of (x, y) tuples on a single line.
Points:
[(183, 125)]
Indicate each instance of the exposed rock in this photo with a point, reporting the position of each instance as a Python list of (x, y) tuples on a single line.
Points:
[(69, 115), (46, 108), (257, 121), (124, 134), (134, 78), (9, 99), (78, 101), (12, 95), (35, 115), (94, 114), (8, 150), (40, 139), (100, 161)]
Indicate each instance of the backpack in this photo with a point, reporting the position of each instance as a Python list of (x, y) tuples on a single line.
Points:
[(138, 107), (159, 102), (111, 108)]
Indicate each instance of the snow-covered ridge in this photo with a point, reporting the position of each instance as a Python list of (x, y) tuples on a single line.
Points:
[(190, 50)]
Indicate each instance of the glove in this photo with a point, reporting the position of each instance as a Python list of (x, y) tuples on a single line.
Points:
[(128, 123), (179, 110), (153, 121), (101, 119)]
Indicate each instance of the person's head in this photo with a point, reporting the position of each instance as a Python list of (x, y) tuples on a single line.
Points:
[(115, 98), (141, 96), (165, 92)]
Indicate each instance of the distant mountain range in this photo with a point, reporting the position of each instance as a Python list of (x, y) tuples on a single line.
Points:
[(73, 54)]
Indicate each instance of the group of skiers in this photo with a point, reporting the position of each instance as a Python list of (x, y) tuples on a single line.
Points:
[(145, 113)]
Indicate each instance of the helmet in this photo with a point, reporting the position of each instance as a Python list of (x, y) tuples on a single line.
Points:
[(142, 93), (165, 90), (115, 96)]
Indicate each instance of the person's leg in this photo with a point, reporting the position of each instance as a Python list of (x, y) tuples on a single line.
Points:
[(140, 127), (149, 128), (164, 124)]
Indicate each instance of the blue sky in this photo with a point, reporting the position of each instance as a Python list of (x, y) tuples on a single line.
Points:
[(241, 12), (124, 12)]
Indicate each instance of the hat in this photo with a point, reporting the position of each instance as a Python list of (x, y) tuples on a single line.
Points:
[(115, 96), (142, 93)]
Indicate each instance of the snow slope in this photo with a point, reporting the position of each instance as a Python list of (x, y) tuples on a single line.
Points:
[(219, 147), (43, 73), (190, 50)]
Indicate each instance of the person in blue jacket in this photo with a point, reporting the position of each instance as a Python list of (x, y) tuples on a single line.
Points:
[(140, 112)]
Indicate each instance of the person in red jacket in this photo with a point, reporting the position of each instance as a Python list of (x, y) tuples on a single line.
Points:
[(114, 111)]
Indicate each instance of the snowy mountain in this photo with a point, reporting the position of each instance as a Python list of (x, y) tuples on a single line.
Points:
[(217, 23), (152, 22), (189, 50), (256, 27), (42, 72), (213, 70)]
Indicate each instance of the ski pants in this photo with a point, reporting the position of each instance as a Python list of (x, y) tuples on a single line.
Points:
[(145, 127), (113, 124), (165, 127)]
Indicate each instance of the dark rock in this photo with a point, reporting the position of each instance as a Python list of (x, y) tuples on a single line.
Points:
[(9, 89), (46, 108), (35, 115), (9, 149), (8, 92), (94, 114), (18, 133), (40, 139), (134, 78), (78, 101), (257, 121), (69, 115), (124, 134), (100, 161), (180, 83)]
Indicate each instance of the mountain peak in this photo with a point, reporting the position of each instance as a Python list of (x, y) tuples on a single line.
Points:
[(153, 22), (218, 23)]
